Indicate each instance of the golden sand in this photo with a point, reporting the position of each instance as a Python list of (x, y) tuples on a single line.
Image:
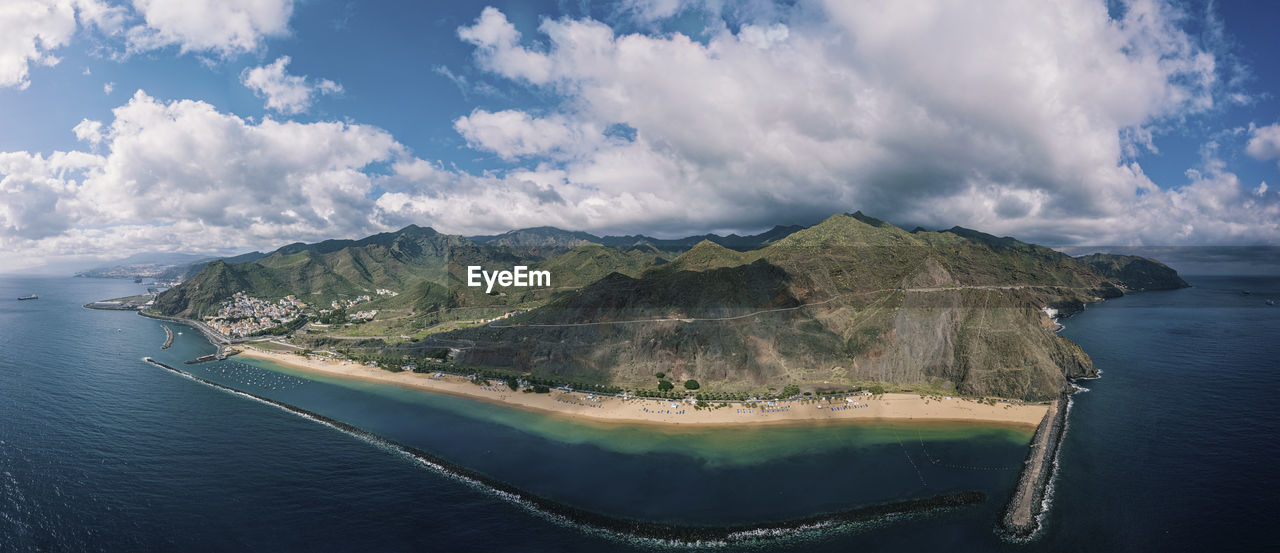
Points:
[(899, 407)]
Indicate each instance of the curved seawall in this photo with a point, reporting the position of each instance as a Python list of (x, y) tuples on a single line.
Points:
[(213, 337), (1028, 504), (676, 534)]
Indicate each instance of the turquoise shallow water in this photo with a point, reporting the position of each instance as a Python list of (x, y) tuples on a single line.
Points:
[(699, 476), (103, 452)]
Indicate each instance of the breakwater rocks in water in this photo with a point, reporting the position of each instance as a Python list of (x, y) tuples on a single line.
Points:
[(213, 337), (669, 533), (168, 337), (1027, 505)]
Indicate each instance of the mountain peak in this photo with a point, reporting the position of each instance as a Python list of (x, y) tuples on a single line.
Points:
[(870, 220), (415, 229)]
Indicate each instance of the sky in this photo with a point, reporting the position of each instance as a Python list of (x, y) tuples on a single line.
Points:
[(225, 126)]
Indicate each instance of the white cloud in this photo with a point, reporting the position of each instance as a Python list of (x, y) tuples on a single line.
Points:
[(34, 192), (499, 49), (1261, 190), (223, 27), (922, 114), (512, 134), (1264, 143), (183, 175), (285, 93), (1024, 118), (762, 37), (108, 87), (88, 131), (652, 10), (204, 179), (30, 31)]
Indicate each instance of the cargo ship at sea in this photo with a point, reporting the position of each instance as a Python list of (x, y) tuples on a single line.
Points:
[(31, 297)]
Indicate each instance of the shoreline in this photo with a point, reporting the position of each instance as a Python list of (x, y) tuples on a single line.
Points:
[(211, 335), (660, 532), (604, 408)]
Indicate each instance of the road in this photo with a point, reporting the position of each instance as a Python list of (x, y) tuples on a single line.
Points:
[(766, 311)]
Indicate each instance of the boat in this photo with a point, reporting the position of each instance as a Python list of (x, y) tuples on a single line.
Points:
[(137, 280), (31, 297), (1271, 302)]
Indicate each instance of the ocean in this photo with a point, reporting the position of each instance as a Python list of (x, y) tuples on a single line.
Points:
[(1174, 448)]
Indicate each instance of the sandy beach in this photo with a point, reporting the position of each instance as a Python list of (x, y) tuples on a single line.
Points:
[(904, 407)]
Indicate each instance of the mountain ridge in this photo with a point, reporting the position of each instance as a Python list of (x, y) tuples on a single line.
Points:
[(850, 300)]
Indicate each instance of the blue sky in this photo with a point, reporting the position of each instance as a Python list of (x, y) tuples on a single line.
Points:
[(215, 127)]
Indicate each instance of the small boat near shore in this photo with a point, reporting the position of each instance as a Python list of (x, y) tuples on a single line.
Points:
[(31, 297)]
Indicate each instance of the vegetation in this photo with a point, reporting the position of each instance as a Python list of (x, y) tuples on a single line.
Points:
[(844, 302), (1135, 273), (825, 305), (337, 316), (691, 384), (281, 330)]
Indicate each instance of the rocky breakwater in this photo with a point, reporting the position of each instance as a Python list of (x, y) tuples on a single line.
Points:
[(1023, 513)]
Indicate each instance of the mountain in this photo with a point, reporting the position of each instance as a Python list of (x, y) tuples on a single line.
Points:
[(852, 300), (588, 263), (1135, 273), (322, 271), (540, 241), (703, 256), (549, 242), (732, 241), (151, 264), (188, 270)]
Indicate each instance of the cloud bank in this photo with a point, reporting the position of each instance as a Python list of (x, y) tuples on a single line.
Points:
[(32, 31), (1020, 118)]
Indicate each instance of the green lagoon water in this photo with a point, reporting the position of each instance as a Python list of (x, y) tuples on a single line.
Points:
[(104, 452), (718, 446), (689, 475)]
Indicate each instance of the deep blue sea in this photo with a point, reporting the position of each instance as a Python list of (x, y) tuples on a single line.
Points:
[(1173, 449)]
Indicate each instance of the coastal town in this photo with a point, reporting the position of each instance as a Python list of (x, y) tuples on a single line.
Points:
[(244, 315)]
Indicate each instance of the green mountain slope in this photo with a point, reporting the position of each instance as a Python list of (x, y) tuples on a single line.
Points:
[(318, 273), (591, 262), (542, 242), (1135, 273), (851, 300)]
